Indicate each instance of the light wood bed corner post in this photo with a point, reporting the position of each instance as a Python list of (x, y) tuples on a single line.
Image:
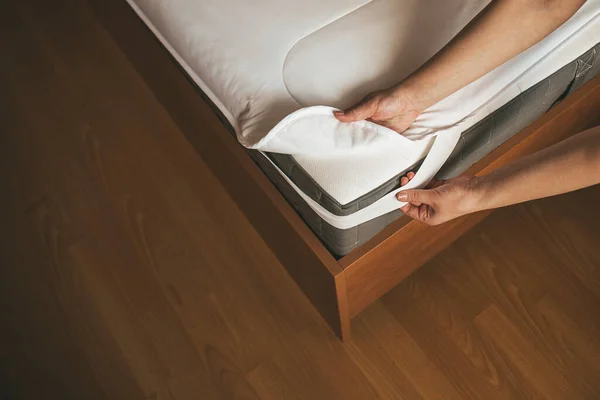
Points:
[(345, 331)]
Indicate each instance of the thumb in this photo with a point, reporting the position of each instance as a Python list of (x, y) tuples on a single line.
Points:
[(419, 205), (416, 197), (359, 112)]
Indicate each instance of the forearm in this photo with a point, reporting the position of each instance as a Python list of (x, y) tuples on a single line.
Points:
[(501, 31), (567, 166)]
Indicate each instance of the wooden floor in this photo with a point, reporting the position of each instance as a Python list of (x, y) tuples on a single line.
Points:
[(128, 273)]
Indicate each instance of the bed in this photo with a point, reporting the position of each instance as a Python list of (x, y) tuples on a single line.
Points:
[(253, 64)]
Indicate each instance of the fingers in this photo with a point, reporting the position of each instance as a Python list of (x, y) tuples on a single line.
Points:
[(415, 197), (434, 183), (363, 110), (422, 213), (411, 211), (407, 178)]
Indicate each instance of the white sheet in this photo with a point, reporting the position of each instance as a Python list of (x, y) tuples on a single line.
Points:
[(260, 61), (315, 133)]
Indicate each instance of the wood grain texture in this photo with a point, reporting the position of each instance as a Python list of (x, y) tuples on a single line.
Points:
[(313, 268), (128, 272), (404, 246)]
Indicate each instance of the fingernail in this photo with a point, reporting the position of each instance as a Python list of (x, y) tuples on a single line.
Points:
[(402, 196), (338, 113)]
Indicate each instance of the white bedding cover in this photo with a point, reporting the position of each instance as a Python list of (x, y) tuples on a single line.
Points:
[(260, 61)]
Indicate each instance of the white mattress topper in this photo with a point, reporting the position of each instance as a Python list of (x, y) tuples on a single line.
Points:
[(260, 61)]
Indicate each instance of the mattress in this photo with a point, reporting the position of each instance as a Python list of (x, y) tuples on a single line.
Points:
[(260, 61)]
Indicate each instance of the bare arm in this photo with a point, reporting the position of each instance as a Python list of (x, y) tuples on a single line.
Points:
[(504, 29), (567, 166), (501, 31)]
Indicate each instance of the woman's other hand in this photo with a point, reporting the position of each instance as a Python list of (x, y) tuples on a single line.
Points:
[(440, 201)]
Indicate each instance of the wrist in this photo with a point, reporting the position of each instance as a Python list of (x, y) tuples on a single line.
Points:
[(478, 194)]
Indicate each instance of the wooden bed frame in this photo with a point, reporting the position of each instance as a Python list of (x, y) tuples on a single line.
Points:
[(338, 289)]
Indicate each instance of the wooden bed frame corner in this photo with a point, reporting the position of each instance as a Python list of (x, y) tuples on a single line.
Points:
[(338, 289)]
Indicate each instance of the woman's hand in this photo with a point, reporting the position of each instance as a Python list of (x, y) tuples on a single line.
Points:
[(566, 166), (393, 108), (441, 201), (497, 34)]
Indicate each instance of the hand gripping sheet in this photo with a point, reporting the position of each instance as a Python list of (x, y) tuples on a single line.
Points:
[(315, 133)]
